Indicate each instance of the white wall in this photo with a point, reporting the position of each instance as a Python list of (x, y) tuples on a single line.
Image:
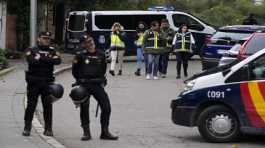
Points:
[(3, 12)]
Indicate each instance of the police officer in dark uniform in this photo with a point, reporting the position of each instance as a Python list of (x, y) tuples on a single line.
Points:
[(39, 76), (89, 69)]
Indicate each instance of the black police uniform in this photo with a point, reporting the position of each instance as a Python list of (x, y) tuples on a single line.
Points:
[(38, 77), (89, 70)]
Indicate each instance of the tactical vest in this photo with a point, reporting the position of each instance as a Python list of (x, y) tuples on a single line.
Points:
[(116, 42), (154, 41), (183, 43), (91, 66)]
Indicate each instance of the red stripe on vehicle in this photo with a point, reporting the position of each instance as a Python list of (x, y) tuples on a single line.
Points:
[(249, 107)]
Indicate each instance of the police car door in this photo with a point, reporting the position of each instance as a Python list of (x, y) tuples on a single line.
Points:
[(252, 90)]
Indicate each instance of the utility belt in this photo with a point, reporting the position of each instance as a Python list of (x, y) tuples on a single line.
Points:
[(38, 79), (90, 81)]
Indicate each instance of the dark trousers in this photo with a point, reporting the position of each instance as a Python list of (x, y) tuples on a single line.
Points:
[(182, 58), (99, 93), (163, 63), (33, 93)]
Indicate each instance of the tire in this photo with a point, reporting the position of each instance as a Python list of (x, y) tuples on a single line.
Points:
[(218, 124)]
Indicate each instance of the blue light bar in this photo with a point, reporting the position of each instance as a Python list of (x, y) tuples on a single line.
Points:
[(161, 8)]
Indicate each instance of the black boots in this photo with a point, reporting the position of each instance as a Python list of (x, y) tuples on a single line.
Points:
[(48, 132), (106, 135), (138, 72), (86, 134), (27, 129), (112, 72), (120, 72)]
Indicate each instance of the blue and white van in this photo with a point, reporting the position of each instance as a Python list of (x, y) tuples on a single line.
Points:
[(99, 23), (226, 103)]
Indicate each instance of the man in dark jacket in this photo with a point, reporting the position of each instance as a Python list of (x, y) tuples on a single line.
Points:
[(41, 60), (89, 69), (164, 57), (250, 20)]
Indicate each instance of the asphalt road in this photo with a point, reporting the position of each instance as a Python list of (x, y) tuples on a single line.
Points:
[(140, 115)]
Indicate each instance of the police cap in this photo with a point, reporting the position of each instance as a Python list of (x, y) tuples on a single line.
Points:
[(84, 38), (45, 34)]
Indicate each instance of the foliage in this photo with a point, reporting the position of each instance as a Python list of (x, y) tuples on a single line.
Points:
[(215, 12)]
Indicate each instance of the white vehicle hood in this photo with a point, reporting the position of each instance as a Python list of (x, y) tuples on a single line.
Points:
[(209, 81)]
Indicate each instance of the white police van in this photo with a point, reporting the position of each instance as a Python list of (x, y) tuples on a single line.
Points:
[(99, 23), (226, 103)]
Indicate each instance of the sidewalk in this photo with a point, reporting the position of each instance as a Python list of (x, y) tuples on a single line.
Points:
[(12, 92)]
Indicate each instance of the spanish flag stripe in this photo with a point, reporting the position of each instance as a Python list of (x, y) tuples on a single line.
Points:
[(262, 89), (250, 110), (257, 99)]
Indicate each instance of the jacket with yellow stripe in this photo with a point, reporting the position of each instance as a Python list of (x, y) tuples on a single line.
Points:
[(183, 42), (154, 42)]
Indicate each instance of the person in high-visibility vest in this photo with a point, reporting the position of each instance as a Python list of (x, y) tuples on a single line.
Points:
[(139, 43), (117, 47), (183, 43), (154, 44), (164, 57)]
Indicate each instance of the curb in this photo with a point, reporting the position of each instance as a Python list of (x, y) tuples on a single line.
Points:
[(37, 124), (6, 71)]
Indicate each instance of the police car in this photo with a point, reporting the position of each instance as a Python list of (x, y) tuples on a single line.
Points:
[(224, 104)]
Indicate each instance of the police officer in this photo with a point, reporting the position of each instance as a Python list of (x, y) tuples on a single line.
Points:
[(117, 47), (164, 57), (154, 44), (41, 60), (139, 43), (89, 69), (183, 43)]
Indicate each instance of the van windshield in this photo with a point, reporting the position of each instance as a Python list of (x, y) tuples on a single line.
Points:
[(76, 23)]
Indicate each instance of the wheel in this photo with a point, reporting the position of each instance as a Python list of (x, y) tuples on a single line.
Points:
[(218, 124)]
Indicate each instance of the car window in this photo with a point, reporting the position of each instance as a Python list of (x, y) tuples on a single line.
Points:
[(256, 43), (76, 22), (257, 69), (180, 19), (129, 22)]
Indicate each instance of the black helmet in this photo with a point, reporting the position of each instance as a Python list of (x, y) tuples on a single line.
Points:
[(56, 91), (79, 95)]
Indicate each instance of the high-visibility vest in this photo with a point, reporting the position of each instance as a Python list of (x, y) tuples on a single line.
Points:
[(183, 43), (116, 42), (154, 40), (140, 40)]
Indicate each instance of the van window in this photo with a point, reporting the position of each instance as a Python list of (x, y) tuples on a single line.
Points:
[(257, 69), (76, 22), (180, 19), (129, 22), (252, 71)]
